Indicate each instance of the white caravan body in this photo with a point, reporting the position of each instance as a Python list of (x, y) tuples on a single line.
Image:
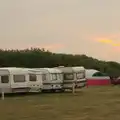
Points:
[(35, 80), (79, 73), (52, 78), (68, 77), (13, 80)]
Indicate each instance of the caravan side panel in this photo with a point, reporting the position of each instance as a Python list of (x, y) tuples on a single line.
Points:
[(19, 80), (5, 79), (35, 82), (68, 77), (79, 73)]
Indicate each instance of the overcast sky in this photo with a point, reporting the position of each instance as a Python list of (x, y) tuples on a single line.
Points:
[(90, 27)]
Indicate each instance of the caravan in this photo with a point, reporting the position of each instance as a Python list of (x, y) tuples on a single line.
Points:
[(52, 79), (13, 80), (79, 73), (68, 77), (35, 80)]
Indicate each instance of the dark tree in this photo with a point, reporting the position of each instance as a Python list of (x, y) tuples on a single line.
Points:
[(35, 58)]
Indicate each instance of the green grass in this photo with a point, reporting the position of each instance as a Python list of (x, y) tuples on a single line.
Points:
[(102, 103)]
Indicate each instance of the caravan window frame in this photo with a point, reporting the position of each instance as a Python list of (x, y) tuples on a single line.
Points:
[(5, 79), (56, 76), (81, 77), (32, 77), (19, 81), (64, 75), (44, 77), (60, 76)]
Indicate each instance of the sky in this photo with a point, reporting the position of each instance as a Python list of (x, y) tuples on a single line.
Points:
[(90, 27)]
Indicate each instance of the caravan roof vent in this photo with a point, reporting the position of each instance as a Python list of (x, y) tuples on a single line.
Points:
[(61, 66)]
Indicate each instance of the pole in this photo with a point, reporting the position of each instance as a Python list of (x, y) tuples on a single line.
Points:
[(73, 88), (3, 94)]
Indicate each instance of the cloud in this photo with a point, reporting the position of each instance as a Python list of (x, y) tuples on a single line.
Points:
[(107, 44), (110, 39), (113, 44), (110, 42)]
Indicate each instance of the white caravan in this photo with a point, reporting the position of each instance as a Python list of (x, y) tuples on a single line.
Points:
[(35, 80), (68, 77), (79, 74), (13, 80), (52, 79)]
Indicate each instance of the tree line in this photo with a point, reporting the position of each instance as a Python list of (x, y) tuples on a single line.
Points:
[(38, 58)]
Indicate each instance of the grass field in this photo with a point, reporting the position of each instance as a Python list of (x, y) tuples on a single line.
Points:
[(93, 103)]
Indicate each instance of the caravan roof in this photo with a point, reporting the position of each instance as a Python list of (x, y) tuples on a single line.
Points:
[(77, 69), (52, 70), (13, 70), (30, 70), (66, 69), (49, 70)]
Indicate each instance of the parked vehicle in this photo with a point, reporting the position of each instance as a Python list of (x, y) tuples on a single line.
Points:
[(52, 79), (14, 80), (68, 77), (35, 80), (115, 80), (79, 74)]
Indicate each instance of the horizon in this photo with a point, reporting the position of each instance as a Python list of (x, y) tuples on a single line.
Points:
[(70, 27), (59, 53)]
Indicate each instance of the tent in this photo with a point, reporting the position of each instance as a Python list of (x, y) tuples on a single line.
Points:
[(95, 77)]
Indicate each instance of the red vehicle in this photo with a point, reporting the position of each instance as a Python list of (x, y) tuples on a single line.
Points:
[(115, 81)]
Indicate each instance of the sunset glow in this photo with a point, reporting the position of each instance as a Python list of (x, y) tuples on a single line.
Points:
[(110, 42)]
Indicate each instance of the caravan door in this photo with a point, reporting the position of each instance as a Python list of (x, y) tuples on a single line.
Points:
[(5, 83)]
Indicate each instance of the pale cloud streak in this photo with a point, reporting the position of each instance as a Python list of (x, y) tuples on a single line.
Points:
[(110, 42)]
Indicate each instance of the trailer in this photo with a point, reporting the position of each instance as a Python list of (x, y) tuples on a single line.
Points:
[(13, 80), (52, 79), (35, 80), (68, 77), (79, 73)]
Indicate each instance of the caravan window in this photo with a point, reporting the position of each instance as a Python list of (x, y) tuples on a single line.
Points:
[(44, 77), (54, 76), (5, 79), (60, 76), (68, 76), (80, 75), (19, 78), (33, 77)]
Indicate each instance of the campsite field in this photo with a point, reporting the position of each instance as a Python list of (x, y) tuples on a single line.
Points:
[(93, 103)]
